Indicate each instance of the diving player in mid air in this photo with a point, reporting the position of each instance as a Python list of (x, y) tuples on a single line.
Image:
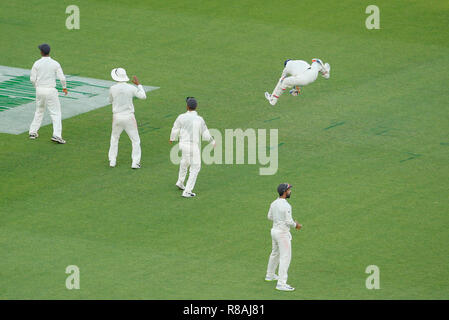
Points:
[(298, 73)]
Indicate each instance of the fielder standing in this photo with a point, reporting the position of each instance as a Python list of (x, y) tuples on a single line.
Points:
[(43, 76), (190, 127), (281, 214), (298, 73), (121, 96)]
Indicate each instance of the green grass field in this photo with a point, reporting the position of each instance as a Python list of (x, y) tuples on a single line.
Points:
[(367, 152)]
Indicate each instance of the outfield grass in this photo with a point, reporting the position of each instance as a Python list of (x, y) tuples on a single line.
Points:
[(367, 152)]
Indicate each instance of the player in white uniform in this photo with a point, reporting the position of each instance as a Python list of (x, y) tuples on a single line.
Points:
[(190, 127), (298, 73), (43, 76), (281, 214), (121, 96)]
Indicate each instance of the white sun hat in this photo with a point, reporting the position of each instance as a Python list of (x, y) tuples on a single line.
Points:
[(119, 74)]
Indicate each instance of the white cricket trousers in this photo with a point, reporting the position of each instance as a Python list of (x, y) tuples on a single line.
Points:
[(281, 254), (128, 123), (191, 157), (302, 79), (47, 97)]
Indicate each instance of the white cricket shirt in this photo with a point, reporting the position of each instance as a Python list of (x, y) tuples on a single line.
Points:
[(121, 96), (44, 73), (295, 68), (281, 214), (190, 127)]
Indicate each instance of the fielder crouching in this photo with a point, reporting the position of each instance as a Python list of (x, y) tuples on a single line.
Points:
[(298, 73)]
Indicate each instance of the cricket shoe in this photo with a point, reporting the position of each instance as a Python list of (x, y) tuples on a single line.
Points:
[(112, 164), (188, 194), (270, 99), (136, 166), (58, 140), (272, 278), (180, 185), (296, 91), (34, 136), (284, 287)]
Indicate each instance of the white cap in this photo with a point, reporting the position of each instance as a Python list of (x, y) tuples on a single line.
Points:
[(119, 74)]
